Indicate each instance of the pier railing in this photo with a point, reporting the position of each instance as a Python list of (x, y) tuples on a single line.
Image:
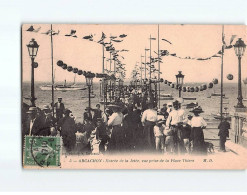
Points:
[(238, 132)]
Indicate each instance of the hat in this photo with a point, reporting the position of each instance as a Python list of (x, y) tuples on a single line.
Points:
[(31, 110), (87, 108), (164, 104), (197, 110), (67, 111), (176, 102), (46, 107), (59, 98)]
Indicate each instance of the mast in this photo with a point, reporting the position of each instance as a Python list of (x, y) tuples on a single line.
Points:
[(52, 74), (141, 70), (74, 79), (159, 63), (221, 86), (145, 76)]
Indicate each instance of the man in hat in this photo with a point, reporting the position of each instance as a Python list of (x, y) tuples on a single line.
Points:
[(149, 118), (97, 113), (48, 121), (68, 130), (223, 127), (175, 123), (33, 125), (87, 114), (59, 106), (101, 134)]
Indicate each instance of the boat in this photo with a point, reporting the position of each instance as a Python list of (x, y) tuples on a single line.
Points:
[(217, 94), (189, 98), (218, 116), (91, 96), (63, 87), (225, 114), (166, 97)]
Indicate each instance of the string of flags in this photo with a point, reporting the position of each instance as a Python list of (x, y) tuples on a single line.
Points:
[(107, 45), (216, 55)]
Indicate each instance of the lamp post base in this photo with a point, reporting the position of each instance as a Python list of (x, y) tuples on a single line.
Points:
[(240, 109)]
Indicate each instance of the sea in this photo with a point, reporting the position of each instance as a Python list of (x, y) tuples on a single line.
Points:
[(76, 101)]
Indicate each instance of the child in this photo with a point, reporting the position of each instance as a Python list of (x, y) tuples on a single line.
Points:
[(169, 140), (186, 133), (159, 136)]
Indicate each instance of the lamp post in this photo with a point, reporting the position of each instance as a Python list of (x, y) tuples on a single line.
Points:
[(239, 50), (145, 76), (89, 80), (180, 81), (32, 50)]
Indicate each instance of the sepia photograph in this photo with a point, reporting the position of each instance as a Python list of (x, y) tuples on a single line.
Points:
[(133, 96)]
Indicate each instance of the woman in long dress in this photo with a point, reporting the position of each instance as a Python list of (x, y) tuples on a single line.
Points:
[(197, 136)]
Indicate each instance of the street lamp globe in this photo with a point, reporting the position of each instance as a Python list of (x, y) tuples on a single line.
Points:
[(239, 47), (33, 48), (89, 78), (180, 78)]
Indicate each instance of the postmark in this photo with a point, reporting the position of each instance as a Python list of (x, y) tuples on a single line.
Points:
[(42, 151)]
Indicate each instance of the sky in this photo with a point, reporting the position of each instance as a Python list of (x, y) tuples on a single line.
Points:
[(199, 41)]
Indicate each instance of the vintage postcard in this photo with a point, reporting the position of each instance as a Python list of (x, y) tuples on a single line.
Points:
[(155, 96)]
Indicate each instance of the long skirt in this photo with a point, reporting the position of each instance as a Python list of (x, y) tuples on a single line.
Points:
[(116, 143), (197, 138), (149, 141)]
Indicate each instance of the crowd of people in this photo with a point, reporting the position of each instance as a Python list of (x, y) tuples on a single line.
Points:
[(135, 125)]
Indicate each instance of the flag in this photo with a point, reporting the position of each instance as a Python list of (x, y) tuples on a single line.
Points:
[(232, 38), (88, 37), (30, 29), (47, 32), (167, 41), (223, 39), (72, 33), (228, 47), (55, 33), (117, 40), (113, 37), (216, 56), (123, 35)]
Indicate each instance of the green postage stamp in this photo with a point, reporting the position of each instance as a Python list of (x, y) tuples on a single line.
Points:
[(42, 151)]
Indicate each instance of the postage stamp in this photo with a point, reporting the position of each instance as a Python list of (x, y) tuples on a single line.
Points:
[(42, 151)]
